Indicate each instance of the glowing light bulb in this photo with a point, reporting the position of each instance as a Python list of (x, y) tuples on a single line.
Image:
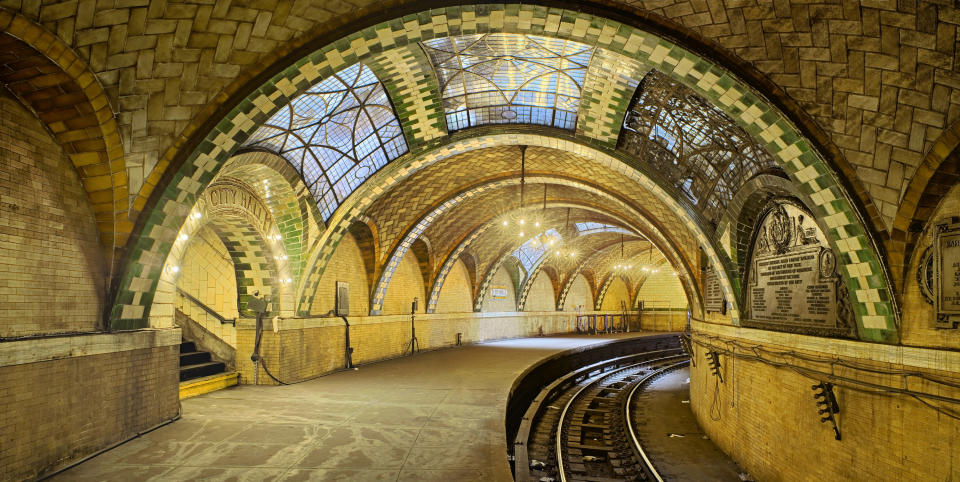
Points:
[(537, 224), (572, 254), (522, 221), (551, 242), (505, 223), (174, 269), (183, 237), (558, 253), (197, 215), (521, 234)]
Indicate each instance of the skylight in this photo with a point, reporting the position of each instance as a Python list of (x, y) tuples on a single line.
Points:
[(532, 251), (592, 227), (691, 143), (337, 134), (501, 78)]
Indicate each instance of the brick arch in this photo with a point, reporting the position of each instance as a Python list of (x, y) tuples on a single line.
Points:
[(252, 263), (933, 179), (795, 151), (651, 230), (254, 246), (47, 75), (291, 206), (364, 234)]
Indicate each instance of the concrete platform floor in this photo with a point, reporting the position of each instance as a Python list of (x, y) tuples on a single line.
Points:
[(435, 416), (686, 455)]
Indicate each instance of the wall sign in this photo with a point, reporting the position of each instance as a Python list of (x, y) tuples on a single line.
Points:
[(499, 292), (793, 284), (713, 293), (947, 273)]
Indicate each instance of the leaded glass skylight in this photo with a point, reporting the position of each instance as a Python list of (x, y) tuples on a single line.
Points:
[(691, 143), (591, 227), (531, 251), (501, 78), (336, 134)]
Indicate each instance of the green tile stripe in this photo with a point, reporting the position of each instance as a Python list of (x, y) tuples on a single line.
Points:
[(610, 84), (861, 263), (528, 283), (400, 169), (488, 278)]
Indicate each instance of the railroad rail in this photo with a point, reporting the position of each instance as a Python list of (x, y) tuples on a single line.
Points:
[(579, 428)]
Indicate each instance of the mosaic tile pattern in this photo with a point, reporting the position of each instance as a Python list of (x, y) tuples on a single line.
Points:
[(397, 210), (610, 84), (860, 264)]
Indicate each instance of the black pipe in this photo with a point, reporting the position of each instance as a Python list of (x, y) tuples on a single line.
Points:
[(349, 351)]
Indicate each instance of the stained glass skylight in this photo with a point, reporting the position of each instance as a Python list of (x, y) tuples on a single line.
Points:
[(531, 251), (500, 78), (592, 227), (336, 134), (691, 143)]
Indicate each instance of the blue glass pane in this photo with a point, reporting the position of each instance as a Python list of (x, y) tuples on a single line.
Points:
[(500, 78), (336, 134)]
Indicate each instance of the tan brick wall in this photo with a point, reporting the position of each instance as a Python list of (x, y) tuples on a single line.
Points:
[(540, 297), (52, 268), (917, 325), (501, 279), (346, 265), (55, 412), (766, 418), (406, 284), (662, 290), (309, 347), (579, 294), (616, 292), (456, 296), (663, 321), (207, 273)]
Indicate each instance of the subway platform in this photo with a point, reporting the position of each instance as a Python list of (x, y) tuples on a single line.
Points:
[(437, 415)]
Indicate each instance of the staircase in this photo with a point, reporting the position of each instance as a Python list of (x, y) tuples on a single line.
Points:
[(197, 364), (199, 374)]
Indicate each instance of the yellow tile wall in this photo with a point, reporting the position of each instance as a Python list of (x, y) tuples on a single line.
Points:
[(345, 265), (52, 269), (540, 297), (662, 290), (406, 284), (456, 295), (501, 279), (616, 293), (578, 295), (765, 417)]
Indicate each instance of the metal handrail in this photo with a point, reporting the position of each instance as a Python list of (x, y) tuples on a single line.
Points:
[(210, 311)]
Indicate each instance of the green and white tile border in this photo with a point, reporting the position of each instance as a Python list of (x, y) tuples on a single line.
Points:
[(861, 265)]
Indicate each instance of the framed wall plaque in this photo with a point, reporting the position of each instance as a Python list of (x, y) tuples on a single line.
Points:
[(946, 264)]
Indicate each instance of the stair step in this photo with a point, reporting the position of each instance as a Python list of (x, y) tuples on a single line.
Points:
[(188, 347), (194, 358), (207, 384), (190, 372)]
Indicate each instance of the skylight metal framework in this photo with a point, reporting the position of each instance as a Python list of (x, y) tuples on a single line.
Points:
[(336, 134), (534, 249), (691, 143), (500, 78), (591, 227)]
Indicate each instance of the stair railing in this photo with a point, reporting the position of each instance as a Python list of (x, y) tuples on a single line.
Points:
[(210, 311)]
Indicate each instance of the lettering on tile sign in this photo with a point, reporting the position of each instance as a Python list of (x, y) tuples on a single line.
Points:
[(947, 273), (793, 279), (229, 196)]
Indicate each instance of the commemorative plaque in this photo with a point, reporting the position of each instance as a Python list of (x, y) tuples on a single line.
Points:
[(793, 282), (713, 294), (947, 274)]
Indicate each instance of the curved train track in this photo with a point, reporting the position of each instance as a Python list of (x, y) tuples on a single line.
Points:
[(580, 427)]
